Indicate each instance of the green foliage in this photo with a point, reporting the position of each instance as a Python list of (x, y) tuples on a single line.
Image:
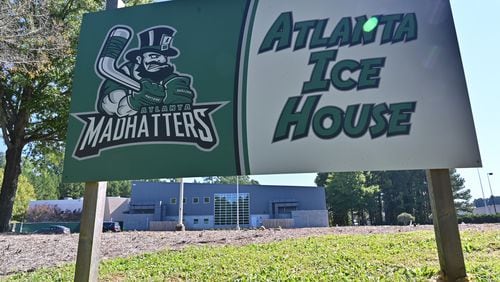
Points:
[(25, 193), (392, 192), (348, 192), (45, 175), (114, 189), (405, 191), (71, 190), (37, 56), (405, 218), (321, 178), (119, 188), (244, 180), (382, 257), (461, 195), (45, 179), (36, 63), (161, 180), (129, 3), (479, 218), (35, 81)]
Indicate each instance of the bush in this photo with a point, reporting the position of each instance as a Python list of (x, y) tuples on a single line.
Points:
[(405, 218), (479, 218)]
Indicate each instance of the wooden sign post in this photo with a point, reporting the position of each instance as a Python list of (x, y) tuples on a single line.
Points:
[(451, 258), (87, 260)]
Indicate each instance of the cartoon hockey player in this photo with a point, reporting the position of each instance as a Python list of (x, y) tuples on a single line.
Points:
[(146, 79)]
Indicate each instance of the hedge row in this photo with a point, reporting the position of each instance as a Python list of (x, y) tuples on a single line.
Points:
[(479, 218)]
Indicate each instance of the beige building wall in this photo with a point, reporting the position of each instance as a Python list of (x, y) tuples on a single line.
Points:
[(115, 208)]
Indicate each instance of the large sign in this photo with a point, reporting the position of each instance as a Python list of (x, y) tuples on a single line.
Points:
[(226, 87)]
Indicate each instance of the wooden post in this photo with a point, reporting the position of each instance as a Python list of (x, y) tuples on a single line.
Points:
[(87, 260), (451, 258)]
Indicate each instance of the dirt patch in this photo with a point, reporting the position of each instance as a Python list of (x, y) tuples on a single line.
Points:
[(30, 252)]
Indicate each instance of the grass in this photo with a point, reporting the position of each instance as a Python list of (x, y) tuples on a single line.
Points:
[(380, 257)]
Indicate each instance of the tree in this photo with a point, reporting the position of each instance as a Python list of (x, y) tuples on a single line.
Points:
[(160, 180), (350, 193), (404, 191), (119, 188), (389, 193), (369, 202), (114, 189), (343, 191), (46, 176), (44, 180), (34, 83), (37, 52), (321, 178), (244, 180), (71, 190), (461, 195), (25, 194)]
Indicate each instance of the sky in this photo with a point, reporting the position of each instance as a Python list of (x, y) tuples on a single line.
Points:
[(479, 43)]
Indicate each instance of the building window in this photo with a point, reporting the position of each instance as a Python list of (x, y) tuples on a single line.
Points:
[(205, 221), (195, 221), (142, 211), (225, 208), (206, 200), (196, 200), (173, 201)]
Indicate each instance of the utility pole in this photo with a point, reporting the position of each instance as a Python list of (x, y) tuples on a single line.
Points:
[(237, 202), (180, 225), (491, 191), (482, 190)]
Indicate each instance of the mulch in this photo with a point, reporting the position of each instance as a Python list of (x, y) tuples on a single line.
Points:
[(19, 253)]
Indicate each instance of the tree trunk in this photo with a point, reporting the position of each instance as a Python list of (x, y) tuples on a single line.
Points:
[(15, 141), (380, 218), (9, 185)]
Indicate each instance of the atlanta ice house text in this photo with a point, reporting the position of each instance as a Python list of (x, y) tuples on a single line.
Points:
[(376, 119)]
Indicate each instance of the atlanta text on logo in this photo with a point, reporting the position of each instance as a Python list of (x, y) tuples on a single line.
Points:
[(144, 100)]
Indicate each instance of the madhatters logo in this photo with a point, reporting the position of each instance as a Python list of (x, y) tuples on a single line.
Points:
[(145, 100)]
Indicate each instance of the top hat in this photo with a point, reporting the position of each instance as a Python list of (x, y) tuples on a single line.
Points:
[(156, 39)]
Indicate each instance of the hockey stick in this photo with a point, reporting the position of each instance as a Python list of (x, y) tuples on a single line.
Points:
[(112, 49)]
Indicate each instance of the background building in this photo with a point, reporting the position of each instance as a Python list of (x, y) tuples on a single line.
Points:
[(57, 210), (155, 206), (492, 204)]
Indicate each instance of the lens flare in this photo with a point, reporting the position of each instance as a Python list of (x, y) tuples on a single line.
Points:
[(370, 24)]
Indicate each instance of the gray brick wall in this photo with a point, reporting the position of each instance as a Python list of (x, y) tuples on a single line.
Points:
[(317, 218)]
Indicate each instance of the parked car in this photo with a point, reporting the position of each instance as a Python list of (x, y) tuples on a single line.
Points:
[(111, 226), (53, 229)]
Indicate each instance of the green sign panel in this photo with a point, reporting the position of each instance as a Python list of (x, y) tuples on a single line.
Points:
[(195, 88)]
